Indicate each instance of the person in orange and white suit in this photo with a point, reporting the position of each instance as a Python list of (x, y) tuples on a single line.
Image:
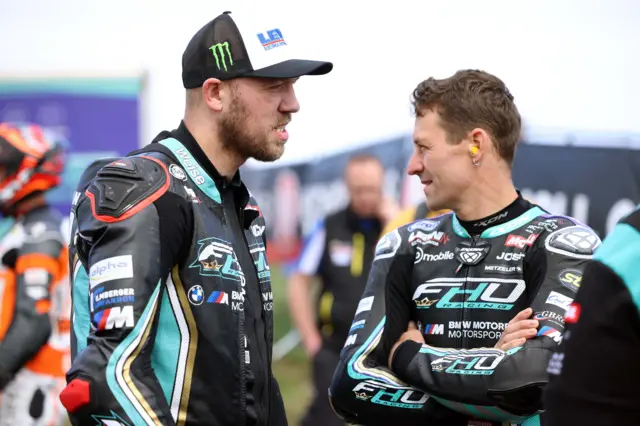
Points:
[(35, 300)]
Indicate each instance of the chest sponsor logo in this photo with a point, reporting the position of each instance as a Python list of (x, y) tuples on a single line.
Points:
[(571, 279), (559, 300), (389, 395), (218, 298), (549, 316), (216, 258), (196, 295), (234, 298), (510, 257), (549, 225), (425, 225), (421, 256), (470, 255), (519, 241), (469, 293), (503, 269), (467, 255), (433, 238)]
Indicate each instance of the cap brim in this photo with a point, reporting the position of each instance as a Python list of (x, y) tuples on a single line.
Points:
[(292, 68)]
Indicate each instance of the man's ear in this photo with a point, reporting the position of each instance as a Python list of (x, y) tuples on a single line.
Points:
[(213, 93)]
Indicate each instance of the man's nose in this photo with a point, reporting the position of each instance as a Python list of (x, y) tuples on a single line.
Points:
[(290, 102), (415, 166)]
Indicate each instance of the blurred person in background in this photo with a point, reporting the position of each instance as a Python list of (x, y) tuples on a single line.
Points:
[(594, 373), (34, 288), (173, 307), (339, 251), (411, 214), (462, 312)]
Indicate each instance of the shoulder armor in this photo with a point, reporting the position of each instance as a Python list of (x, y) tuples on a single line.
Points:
[(388, 245), (571, 239), (126, 186), (90, 172)]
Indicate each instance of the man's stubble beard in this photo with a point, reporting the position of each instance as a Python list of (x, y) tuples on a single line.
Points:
[(236, 136)]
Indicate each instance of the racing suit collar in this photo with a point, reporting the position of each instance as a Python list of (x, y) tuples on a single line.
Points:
[(518, 207), (240, 192), (186, 138)]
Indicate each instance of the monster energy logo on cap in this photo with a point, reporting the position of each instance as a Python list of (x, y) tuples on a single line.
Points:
[(221, 52)]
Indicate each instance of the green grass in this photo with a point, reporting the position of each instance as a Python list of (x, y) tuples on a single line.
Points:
[(292, 371)]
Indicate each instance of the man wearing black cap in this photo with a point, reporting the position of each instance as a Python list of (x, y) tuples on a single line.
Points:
[(172, 294)]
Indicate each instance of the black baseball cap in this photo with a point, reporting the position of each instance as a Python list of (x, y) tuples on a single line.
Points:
[(230, 47)]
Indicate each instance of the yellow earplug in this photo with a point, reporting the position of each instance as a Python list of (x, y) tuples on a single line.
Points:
[(474, 150)]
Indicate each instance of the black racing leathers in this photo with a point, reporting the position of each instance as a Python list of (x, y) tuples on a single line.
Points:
[(171, 293), (593, 376), (461, 290)]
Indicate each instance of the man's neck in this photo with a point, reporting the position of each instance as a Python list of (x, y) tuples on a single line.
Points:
[(486, 198), (226, 162)]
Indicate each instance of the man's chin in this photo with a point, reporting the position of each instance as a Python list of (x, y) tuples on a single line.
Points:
[(269, 157), (434, 204)]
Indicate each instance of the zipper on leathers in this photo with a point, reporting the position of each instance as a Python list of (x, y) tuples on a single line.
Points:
[(241, 337), (267, 380), (467, 269)]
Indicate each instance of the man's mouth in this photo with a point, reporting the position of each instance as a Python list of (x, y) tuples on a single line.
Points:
[(281, 131), (426, 182)]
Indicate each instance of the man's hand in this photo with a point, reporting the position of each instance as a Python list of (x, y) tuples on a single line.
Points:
[(312, 344), (519, 329), (412, 333)]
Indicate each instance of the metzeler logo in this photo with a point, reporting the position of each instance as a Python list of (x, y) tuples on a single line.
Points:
[(222, 52)]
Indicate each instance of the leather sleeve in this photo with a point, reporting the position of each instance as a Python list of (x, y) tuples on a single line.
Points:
[(593, 371), (364, 390), (126, 249)]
